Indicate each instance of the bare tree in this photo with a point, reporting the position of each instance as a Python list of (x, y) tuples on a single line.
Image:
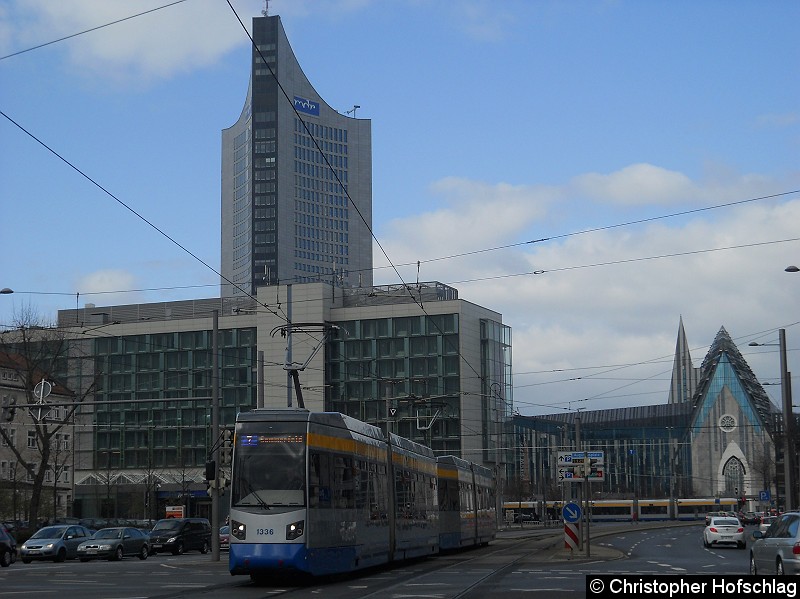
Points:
[(183, 477), (36, 353), (762, 464)]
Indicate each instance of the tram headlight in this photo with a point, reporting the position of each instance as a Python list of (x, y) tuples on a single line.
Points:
[(238, 530), (294, 530)]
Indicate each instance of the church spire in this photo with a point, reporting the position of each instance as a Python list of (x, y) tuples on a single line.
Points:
[(684, 374)]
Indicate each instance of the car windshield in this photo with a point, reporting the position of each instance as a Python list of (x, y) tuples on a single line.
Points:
[(108, 533), (49, 532), (725, 522), (166, 525)]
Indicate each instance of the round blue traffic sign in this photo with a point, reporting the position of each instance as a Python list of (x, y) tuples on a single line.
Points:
[(571, 512)]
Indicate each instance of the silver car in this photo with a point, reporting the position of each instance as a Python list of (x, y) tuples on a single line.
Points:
[(777, 551), (57, 543)]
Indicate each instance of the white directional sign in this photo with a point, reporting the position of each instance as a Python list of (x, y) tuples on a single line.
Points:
[(580, 466)]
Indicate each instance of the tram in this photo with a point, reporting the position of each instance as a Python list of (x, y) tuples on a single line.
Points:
[(625, 510), (323, 493)]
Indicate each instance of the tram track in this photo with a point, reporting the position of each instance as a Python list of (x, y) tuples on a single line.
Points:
[(452, 575), (465, 578), (455, 575)]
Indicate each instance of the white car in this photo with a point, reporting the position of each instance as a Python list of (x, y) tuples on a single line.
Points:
[(724, 531)]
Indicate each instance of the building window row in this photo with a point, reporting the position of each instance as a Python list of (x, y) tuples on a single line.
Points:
[(319, 131)]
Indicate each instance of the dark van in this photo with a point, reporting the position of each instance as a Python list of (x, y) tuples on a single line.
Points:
[(180, 534)]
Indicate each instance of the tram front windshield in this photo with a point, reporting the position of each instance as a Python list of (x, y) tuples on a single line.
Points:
[(269, 465)]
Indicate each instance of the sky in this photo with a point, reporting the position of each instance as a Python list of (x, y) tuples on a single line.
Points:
[(594, 171)]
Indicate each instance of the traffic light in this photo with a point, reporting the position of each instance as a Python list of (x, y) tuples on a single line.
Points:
[(594, 469), (211, 470), (226, 449)]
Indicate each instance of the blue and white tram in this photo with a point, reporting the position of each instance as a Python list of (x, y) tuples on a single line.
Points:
[(324, 493), (467, 510)]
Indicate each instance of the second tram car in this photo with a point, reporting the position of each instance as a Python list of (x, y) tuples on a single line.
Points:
[(324, 493), (467, 513)]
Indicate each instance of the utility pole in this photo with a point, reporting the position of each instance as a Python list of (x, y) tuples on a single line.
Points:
[(788, 425), (578, 448), (215, 484)]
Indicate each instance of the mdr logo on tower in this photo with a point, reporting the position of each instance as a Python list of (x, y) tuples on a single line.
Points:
[(306, 106)]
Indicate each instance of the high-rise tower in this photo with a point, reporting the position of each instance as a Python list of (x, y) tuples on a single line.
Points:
[(296, 180)]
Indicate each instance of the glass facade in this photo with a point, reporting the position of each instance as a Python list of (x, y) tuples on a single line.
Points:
[(404, 369), (173, 431), (645, 454), (496, 392)]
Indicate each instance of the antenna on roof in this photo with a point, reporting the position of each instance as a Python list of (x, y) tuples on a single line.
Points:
[(265, 12)]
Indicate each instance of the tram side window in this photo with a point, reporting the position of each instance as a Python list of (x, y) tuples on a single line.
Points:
[(379, 492), (320, 477), (483, 498), (361, 484), (343, 485), (448, 495), (467, 503), (403, 495)]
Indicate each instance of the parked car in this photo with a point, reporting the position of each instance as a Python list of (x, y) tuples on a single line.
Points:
[(225, 537), (8, 547), (57, 543), (114, 544), (180, 534), (773, 550), (724, 531)]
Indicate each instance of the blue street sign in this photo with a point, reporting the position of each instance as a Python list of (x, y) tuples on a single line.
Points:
[(764, 496), (571, 512)]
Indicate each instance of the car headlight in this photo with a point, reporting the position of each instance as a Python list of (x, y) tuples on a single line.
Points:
[(238, 530), (104, 547), (294, 530), (49, 546), (172, 539)]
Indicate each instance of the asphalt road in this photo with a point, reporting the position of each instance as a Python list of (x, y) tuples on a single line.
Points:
[(520, 563)]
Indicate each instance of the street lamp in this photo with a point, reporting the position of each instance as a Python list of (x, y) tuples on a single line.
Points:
[(6, 291), (792, 269), (788, 417)]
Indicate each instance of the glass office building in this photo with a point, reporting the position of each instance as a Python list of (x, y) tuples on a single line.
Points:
[(144, 434), (296, 180), (439, 373)]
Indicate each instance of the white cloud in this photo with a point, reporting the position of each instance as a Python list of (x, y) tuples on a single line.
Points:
[(638, 184), (472, 215), (578, 322), (107, 287), (176, 39)]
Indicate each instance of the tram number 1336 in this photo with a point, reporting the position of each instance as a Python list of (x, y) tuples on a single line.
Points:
[(265, 531)]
